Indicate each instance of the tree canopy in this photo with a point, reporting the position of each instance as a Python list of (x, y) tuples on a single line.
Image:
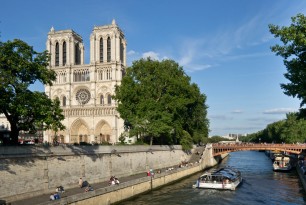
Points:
[(293, 51), (160, 104), (290, 130), (21, 66)]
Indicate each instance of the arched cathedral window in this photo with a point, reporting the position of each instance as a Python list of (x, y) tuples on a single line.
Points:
[(64, 53), (56, 54), (108, 74), (108, 49), (64, 101), (61, 77), (121, 50), (104, 73), (81, 75), (101, 50), (101, 100), (77, 54), (109, 99)]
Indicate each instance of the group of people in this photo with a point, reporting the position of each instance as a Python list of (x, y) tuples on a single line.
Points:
[(113, 181), (85, 184), (57, 195)]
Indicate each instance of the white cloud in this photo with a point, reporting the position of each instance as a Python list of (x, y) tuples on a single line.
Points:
[(153, 55), (220, 117), (131, 52), (237, 111), (277, 111), (193, 68)]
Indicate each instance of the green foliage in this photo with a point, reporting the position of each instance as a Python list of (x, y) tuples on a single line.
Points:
[(20, 67), (290, 130), (140, 142), (216, 139), (158, 102), (293, 51), (122, 138), (186, 141)]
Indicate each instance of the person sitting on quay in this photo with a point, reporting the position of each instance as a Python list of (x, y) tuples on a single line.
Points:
[(89, 188), (60, 189), (57, 196), (54, 196), (116, 181), (112, 181)]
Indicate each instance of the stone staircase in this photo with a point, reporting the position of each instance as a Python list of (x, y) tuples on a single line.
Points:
[(196, 154)]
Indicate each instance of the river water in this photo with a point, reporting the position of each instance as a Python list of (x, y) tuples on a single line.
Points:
[(260, 186)]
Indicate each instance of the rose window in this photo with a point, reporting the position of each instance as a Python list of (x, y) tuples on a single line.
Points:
[(83, 96)]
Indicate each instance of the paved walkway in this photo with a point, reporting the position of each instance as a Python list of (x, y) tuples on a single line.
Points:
[(68, 192), (41, 199)]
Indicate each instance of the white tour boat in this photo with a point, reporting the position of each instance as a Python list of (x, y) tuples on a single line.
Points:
[(282, 163), (226, 178)]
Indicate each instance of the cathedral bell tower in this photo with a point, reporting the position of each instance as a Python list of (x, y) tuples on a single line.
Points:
[(66, 48)]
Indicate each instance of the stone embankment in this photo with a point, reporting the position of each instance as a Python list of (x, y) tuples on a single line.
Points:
[(301, 170), (40, 171)]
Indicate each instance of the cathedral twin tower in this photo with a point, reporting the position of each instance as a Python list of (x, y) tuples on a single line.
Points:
[(85, 90)]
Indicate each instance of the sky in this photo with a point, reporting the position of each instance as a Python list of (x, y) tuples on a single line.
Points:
[(224, 46)]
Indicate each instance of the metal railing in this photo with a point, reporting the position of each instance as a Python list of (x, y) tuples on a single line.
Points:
[(220, 148)]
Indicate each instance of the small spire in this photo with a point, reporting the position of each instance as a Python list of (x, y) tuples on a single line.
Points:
[(52, 29), (113, 22)]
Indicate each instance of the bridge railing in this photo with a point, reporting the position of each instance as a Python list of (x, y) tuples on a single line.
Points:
[(219, 148)]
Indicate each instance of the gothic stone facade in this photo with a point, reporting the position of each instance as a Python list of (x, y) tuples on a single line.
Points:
[(85, 90)]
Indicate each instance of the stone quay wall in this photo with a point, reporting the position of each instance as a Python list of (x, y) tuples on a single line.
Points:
[(27, 171), (113, 194), (302, 176)]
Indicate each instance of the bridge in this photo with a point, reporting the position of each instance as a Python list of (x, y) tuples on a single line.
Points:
[(219, 148)]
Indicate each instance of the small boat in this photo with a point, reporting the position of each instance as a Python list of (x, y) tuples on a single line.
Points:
[(282, 163), (226, 178)]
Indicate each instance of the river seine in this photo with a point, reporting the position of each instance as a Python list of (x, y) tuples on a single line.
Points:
[(260, 186)]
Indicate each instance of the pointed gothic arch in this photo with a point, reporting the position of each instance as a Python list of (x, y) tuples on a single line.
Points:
[(79, 132), (101, 50), (108, 49), (56, 54), (64, 53), (103, 132), (109, 99), (64, 99), (102, 99)]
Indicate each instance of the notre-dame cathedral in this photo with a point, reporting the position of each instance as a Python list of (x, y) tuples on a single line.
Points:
[(85, 90)]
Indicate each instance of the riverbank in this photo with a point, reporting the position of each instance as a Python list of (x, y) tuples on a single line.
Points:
[(130, 186), (135, 185), (301, 176), (29, 171), (113, 194)]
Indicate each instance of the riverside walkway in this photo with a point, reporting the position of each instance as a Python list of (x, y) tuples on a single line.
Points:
[(45, 198)]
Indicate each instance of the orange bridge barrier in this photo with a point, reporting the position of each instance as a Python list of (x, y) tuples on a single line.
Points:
[(219, 148)]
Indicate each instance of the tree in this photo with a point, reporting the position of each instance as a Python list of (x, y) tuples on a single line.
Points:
[(159, 104), (293, 51), (21, 66)]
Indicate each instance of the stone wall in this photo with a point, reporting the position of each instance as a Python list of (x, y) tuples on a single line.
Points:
[(26, 171), (113, 194)]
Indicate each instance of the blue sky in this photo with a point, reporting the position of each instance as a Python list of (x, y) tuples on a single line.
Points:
[(224, 46)]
